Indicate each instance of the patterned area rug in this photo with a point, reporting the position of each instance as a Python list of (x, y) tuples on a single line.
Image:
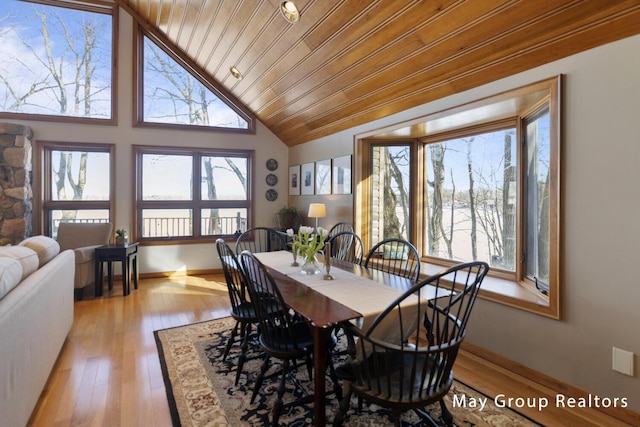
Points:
[(201, 391)]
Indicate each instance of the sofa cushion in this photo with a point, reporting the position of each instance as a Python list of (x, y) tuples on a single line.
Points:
[(45, 247), (10, 274), (27, 257)]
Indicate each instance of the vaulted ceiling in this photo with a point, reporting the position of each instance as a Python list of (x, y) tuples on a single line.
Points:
[(348, 62)]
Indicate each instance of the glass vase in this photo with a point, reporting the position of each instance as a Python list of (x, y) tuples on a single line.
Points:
[(311, 264)]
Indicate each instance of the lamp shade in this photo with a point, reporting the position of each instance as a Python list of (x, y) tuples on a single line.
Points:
[(317, 210)]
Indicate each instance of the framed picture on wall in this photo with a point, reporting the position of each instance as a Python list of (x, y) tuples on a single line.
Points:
[(323, 177), (294, 180), (342, 175), (307, 179)]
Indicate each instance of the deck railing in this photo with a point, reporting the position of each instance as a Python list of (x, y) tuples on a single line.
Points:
[(177, 226), (170, 227)]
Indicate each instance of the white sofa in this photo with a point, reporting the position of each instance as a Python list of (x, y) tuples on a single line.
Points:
[(36, 314)]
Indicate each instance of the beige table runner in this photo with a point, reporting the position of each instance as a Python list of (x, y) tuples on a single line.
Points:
[(363, 295)]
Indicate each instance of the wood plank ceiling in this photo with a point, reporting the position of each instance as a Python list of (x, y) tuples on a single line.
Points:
[(349, 62)]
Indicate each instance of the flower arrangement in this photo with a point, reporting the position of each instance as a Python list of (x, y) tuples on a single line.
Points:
[(308, 242)]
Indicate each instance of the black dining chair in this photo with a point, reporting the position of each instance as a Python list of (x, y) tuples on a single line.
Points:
[(242, 309), (261, 239), (282, 335), (404, 360), (347, 246), (395, 256), (340, 227)]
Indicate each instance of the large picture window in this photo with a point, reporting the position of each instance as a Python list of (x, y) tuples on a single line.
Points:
[(484, 186), (191, 195), (78, 184), (57, 61)]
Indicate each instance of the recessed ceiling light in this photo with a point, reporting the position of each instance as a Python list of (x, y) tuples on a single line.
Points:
[(235, 73), (290, 11)]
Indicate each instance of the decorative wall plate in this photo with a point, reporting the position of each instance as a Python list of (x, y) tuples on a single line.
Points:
[(272, 164), (271, 195), (272, 179)]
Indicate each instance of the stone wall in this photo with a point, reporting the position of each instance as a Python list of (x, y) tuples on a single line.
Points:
[(16, 196)]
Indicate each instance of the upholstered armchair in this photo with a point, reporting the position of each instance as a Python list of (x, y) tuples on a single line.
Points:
[(83, 238)]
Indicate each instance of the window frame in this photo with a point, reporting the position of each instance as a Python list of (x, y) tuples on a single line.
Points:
[(45, 197), (194, 70), (93, 6), (196, 204), (509, 288)]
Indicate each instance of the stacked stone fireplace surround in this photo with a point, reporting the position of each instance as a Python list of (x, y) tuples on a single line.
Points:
[(16, 195)]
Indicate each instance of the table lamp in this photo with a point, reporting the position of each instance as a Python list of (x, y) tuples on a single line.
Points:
[(317, 210)]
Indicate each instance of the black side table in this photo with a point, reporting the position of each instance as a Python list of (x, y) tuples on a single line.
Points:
[(126, 254)]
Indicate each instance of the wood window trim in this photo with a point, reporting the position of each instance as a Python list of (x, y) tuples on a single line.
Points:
[(44, 199), (510, 290)]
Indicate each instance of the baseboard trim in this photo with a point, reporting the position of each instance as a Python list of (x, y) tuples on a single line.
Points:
[(182, 273), (623, 414)]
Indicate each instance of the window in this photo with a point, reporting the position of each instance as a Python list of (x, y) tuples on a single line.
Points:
[(471, 198), (537, 143), (390, 192), (191, 194), (57, 61), (173, 93), (484, 186), (78, 182)]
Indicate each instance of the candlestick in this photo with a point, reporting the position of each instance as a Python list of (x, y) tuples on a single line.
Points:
[(294, 251), (327, 261)]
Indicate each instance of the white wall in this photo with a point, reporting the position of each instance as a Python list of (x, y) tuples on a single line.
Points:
[(600, 227), (171, 257)]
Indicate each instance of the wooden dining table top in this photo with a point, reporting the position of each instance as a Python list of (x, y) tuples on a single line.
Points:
[(319, 309)]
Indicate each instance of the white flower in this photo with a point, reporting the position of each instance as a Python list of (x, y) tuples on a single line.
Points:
[(290, 232), (309, 242), (323, 231), (306, 229)]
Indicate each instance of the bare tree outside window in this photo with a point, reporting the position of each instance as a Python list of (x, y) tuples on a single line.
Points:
[(192, 193), (173, 96), (471, 199), (390, 204), (78, 185), (55, 61)]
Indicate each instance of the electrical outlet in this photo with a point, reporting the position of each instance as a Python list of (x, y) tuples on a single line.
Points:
[(622, 361)]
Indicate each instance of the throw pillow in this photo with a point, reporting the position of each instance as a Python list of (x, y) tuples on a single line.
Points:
[(28, 258), (45, 247)]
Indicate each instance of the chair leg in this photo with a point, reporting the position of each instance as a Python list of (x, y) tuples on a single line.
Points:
[(336, 382), (79, 293), (230, 341), (309, 364), (246, 330), (260, 379), (446, 414), (277, 407), (345, 404)]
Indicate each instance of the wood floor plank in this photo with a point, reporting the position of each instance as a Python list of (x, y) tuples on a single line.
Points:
[(108, 373)]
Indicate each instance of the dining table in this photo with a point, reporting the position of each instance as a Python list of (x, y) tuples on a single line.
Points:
[(353, 293)]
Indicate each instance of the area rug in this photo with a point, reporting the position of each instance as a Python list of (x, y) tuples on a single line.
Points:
[(201, 391)]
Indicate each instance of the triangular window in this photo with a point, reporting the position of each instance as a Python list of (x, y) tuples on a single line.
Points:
[(172, 95)]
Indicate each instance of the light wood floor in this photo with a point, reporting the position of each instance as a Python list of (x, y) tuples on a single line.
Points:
[(108, 373)]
